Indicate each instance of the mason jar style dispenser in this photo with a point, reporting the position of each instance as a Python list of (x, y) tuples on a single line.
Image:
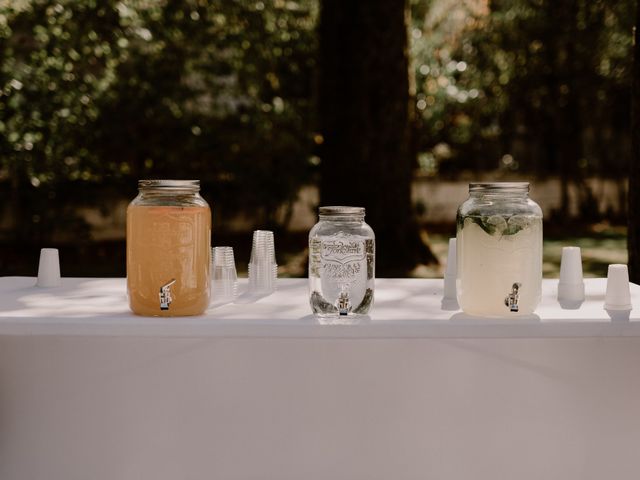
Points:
[(341, 263), (499, 250), (168, 249)]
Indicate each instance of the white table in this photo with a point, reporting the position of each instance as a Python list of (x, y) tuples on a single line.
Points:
[(262, 391)]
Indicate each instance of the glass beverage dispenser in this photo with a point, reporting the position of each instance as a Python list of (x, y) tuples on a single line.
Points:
[(168, 249)]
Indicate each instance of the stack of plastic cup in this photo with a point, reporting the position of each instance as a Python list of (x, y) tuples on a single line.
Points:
[(617, 300), (48, 268), (263, 270), (224, 278), (571, 284), (449, 300)]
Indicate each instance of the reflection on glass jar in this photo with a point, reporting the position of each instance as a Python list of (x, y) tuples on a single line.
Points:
[(341, 263), (499, 250), (168, 249)]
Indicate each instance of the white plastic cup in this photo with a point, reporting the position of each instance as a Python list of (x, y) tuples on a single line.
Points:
[(618, 295), (48, 268), (450, 272), (451, 259), (571, 284), (449, 300), (224, 277)]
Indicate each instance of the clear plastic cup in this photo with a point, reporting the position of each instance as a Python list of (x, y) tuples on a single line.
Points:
[(224, 277), (263, 270)]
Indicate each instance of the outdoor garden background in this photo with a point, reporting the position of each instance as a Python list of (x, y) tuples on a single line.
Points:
[(281, 106)]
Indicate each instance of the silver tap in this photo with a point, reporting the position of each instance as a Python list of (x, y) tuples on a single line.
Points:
[(342, 303), (511, 300), (165, 295)]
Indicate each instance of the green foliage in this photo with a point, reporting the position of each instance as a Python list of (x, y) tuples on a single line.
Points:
[(104, 92), (535, 85), (107, 91), (59, 61)]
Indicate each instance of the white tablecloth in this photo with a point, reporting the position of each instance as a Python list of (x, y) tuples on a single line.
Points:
[(262, 391), (404, 308)]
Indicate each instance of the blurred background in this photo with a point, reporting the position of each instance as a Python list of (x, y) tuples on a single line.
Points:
[(278, 106)]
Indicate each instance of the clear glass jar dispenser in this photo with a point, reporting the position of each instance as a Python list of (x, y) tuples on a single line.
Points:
[(168, 249), (499, 250), (341, 263)]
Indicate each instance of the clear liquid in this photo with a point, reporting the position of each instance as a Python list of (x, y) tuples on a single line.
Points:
[(341, 275), (490, 264), (166, 243)]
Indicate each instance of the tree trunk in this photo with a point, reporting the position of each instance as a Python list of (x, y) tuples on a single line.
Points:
[(633, 210), (364, 106)]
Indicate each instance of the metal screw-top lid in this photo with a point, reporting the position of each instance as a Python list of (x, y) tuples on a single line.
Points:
[(341, 211), (190, 185), (498, 187)]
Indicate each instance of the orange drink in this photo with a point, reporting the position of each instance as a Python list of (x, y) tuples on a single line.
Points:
[(168, 254)]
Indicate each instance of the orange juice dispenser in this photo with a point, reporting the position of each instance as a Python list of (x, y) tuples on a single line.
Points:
[(168, 249)]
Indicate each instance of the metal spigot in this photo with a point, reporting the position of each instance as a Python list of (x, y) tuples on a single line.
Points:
[(165, 295), (342, 303), (511, 300)]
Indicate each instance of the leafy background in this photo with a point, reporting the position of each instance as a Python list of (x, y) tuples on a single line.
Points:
[(95, 94)]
